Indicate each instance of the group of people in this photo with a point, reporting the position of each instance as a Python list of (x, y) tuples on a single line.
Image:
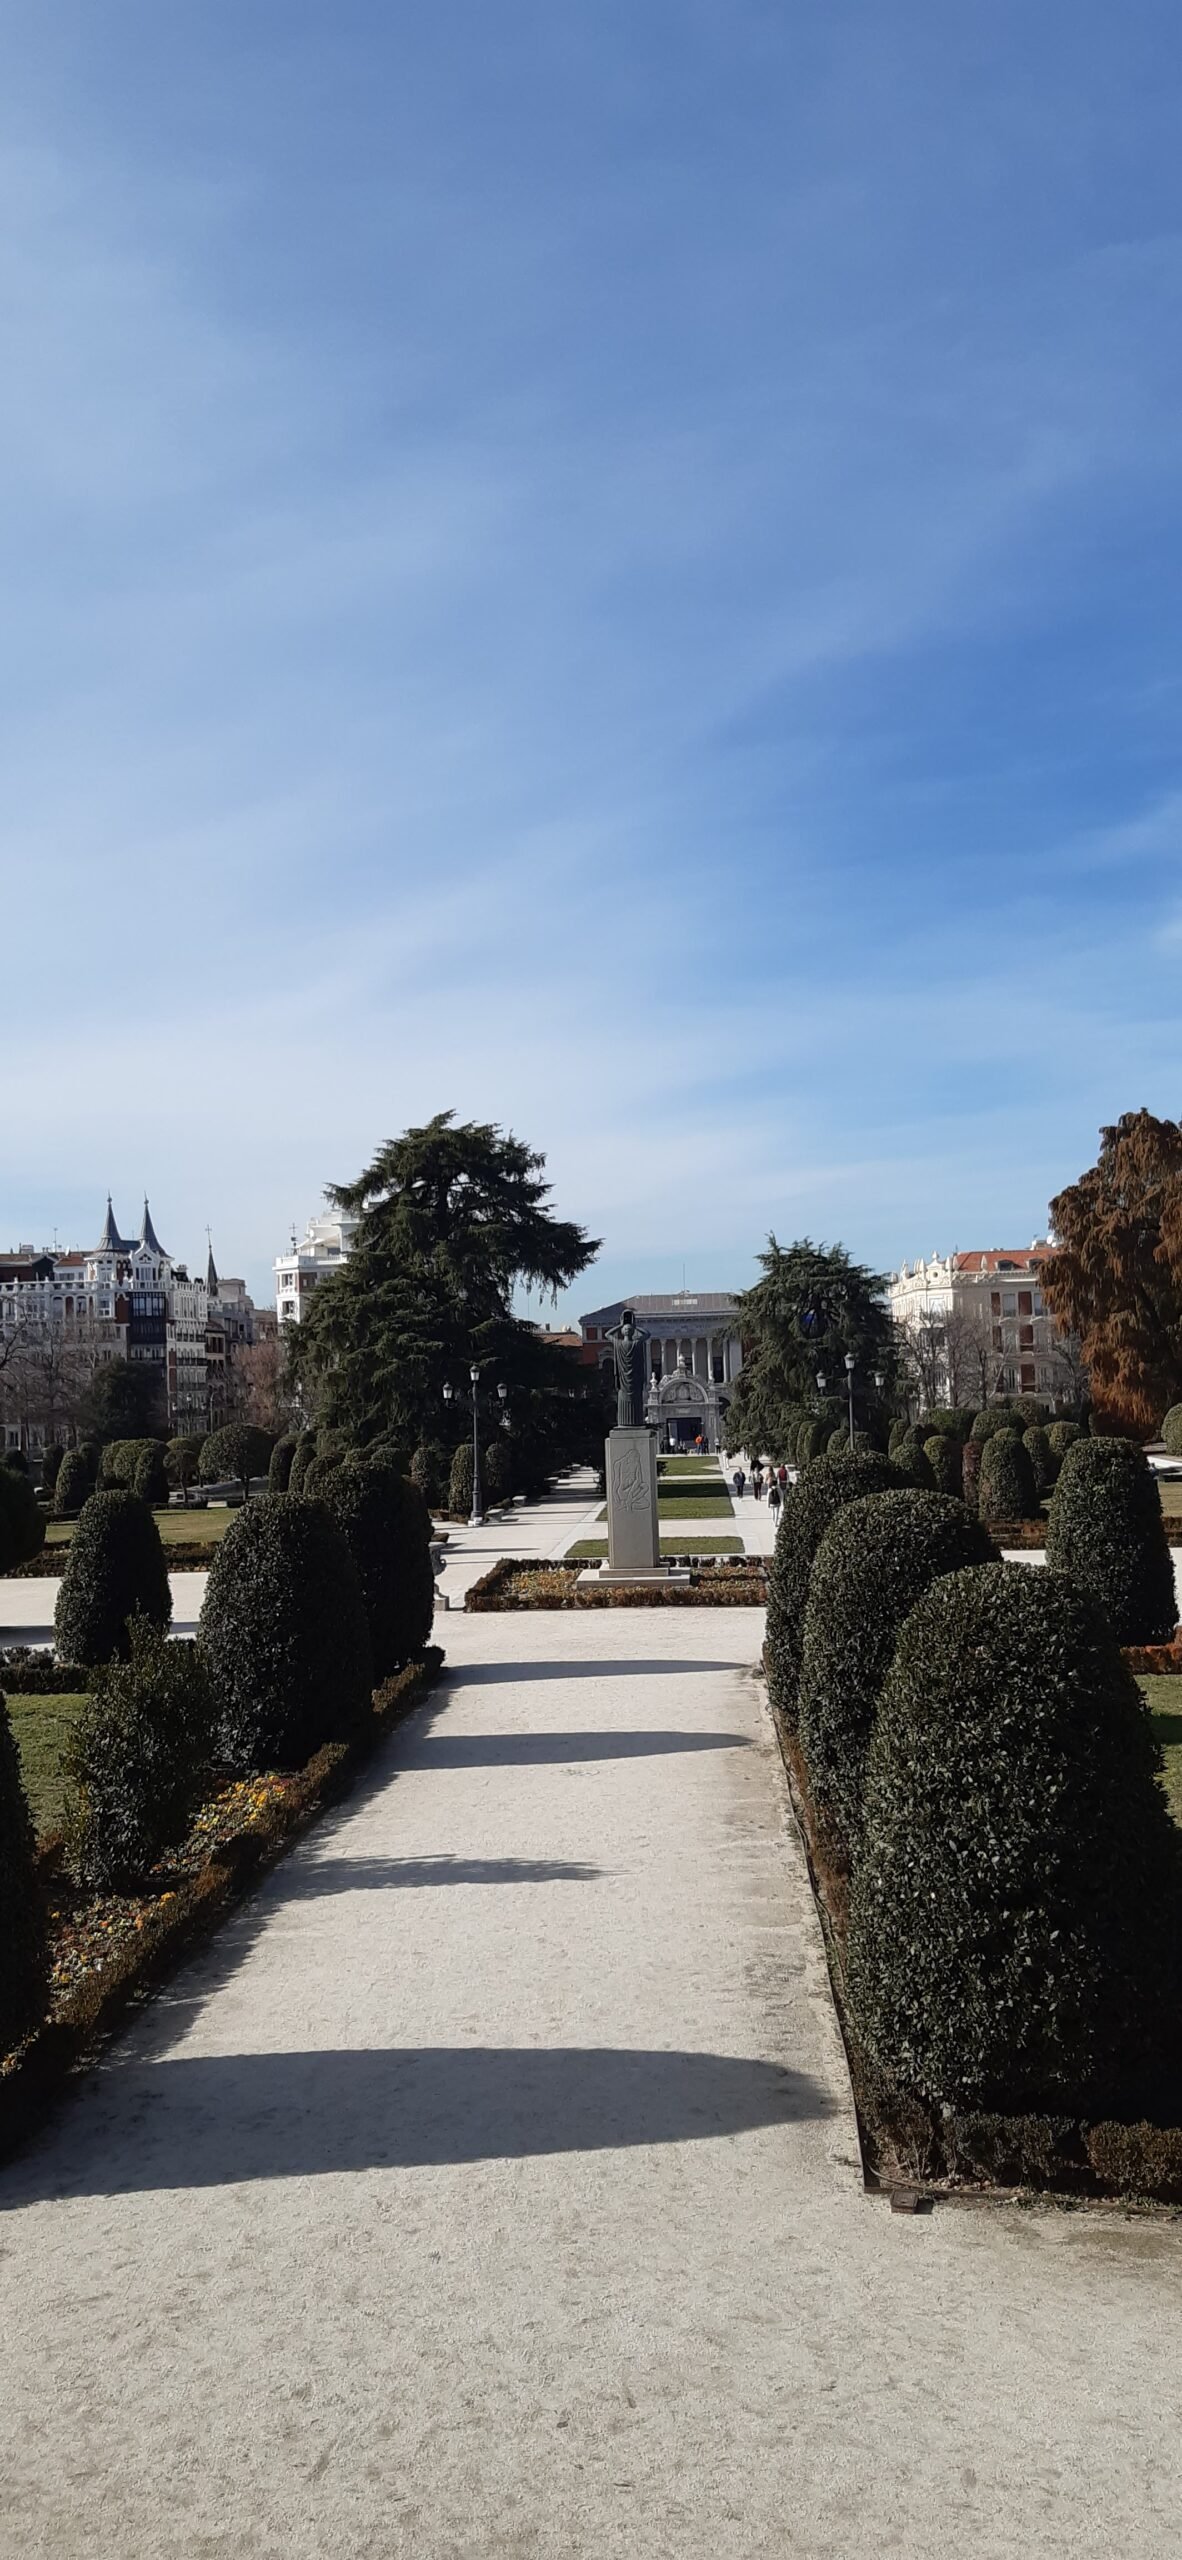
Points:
[(769, 1479)]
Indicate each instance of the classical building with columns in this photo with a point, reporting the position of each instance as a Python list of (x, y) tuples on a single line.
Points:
[(695, 1354)]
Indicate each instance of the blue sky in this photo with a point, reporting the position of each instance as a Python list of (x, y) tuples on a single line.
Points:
[(612, 567)]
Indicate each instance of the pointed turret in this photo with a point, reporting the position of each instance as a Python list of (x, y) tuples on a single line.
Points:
[(110, 1240), (149, 1236), (211, 1273)]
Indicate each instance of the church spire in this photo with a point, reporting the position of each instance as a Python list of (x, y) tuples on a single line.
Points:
[(110, 1240), (211, 1276), (148, 1234)]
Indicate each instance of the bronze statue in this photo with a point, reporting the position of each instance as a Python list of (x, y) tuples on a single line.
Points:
[(631, 1356)]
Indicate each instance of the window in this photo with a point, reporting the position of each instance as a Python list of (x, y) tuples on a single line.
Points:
[(997, 1344), (995, 1302), (1025, 1337), (1025, 1307), (1009, 1304), (1027, 1376), (1038, 1305)]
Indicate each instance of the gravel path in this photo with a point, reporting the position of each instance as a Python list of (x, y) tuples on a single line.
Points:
[(489, 2187)]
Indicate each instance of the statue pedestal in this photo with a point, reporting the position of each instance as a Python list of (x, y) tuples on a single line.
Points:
[(633, 1533)]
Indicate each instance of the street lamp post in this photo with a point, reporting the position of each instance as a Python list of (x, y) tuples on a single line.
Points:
[(476, 1514), (849, 1388)]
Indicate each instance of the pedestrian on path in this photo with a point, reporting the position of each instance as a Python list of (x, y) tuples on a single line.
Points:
[(773, 1496), (739, 1480), (757, 1481), (782, 1477)]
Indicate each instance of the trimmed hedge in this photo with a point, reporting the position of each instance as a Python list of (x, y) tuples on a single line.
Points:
[(459, 1482), (137, 1755), (320, 1471), (1105, 1529), (302, 1456), (944, 1456), (899, 1431), (74, 1482), (911, 1455), (22, 1520), (809, 1505), (1171, 1431), (995, 1417), (115, 1570), (1037, 1444), (496, 1471), (279, 1470), (875, 1561), (386, 1526), (24, 1973), (149, 1479), (1006, 1489), (970, 1473), (283, 1634), (429, 1471), (51, 1460), (181, 1459), (1063, 1436), (1014, 1917)]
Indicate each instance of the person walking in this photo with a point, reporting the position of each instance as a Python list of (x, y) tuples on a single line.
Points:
[(782, 1477), (757, 1481), (739, 1480), (773, 1495)]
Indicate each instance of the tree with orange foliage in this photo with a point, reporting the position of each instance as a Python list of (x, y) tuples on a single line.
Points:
[(1116, 1277)]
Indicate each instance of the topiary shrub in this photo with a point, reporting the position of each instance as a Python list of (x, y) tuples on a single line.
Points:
[(22, 1521), (16, 1459), (239, 1450), (115, 1571), (1037, 1444), (1171, 1431), (496, 1472), (459, 1482), (386, 1526), (1006, 1489), (73, 1484), (952, 1421), (809, 1505), (1106, 1531), (899, 1431), (283, 1635), (319, 1472), (149, 1479), (811, 1439), (1014, 1915), (181, 1460), (429, 1471), (279, 1470), (876, 1559), (943, 1452), (1030, 1411), (51, 1462), (24, 1972), (302, 1456), (996, 1417), (1062, 1437), (137, 1757), (115, 1464)]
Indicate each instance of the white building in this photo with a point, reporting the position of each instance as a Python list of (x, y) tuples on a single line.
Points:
[(323, 1247), (695, 1354), (977, 1327)]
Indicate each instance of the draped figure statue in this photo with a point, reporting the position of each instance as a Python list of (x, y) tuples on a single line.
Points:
[(631, 1358)]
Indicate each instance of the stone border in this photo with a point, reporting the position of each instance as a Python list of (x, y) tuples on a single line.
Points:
[(738, 1582)]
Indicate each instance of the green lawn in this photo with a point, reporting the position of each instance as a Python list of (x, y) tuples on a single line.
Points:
[(689, 1543), (711, 1502), (1164, 1692), (40, 1727), (689, 1467), (176, 1527)]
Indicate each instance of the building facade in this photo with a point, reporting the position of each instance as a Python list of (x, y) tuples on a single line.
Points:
[(324, 1246), (976, 1328), (695, 1355)]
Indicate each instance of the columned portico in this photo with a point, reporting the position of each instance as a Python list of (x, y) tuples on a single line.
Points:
[(695, 1355)]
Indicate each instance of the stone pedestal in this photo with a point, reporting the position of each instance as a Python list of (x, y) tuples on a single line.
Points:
[(633, 1533)]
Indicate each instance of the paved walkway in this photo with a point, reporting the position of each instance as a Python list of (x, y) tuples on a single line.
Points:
[(489, 2188)]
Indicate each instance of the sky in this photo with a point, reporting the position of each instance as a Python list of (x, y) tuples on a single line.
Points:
[(608, 565)]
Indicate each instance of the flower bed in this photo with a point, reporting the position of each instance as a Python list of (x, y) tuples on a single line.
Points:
[(739, 1583), (1033, 1533), (107, 1950), (181, 1555), (908, 2145)]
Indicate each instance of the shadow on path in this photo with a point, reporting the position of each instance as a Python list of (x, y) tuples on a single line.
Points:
[(491, 1675), (313, 1876), (210, 2121), (544, 1750)]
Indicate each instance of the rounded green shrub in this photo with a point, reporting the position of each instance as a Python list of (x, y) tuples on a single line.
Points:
[(16, 1460), (115, 1571), (970, 1473), (429, 1471), (279, 1469), (319, 1472), (1014, 1915), (899, 1431), (1171, 1431), (302, 1456), (1030, 1410), (1006, 1489), (459, 1482), (24, 1972), (1062, 1437), (239, 1450), (943, 1453), (809, 1505), (496, 1471), (136, 1758), (910, 1454), (876, 1559), (22, 1521), (952, 1421), (149, 1479), (181, 1459), (1106, 1531), (812, 1439), (73, 1484), (995, 1417), (283, 1634), (1037, 1443), (386, 1526), (51, 1462), (116, 1465)]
